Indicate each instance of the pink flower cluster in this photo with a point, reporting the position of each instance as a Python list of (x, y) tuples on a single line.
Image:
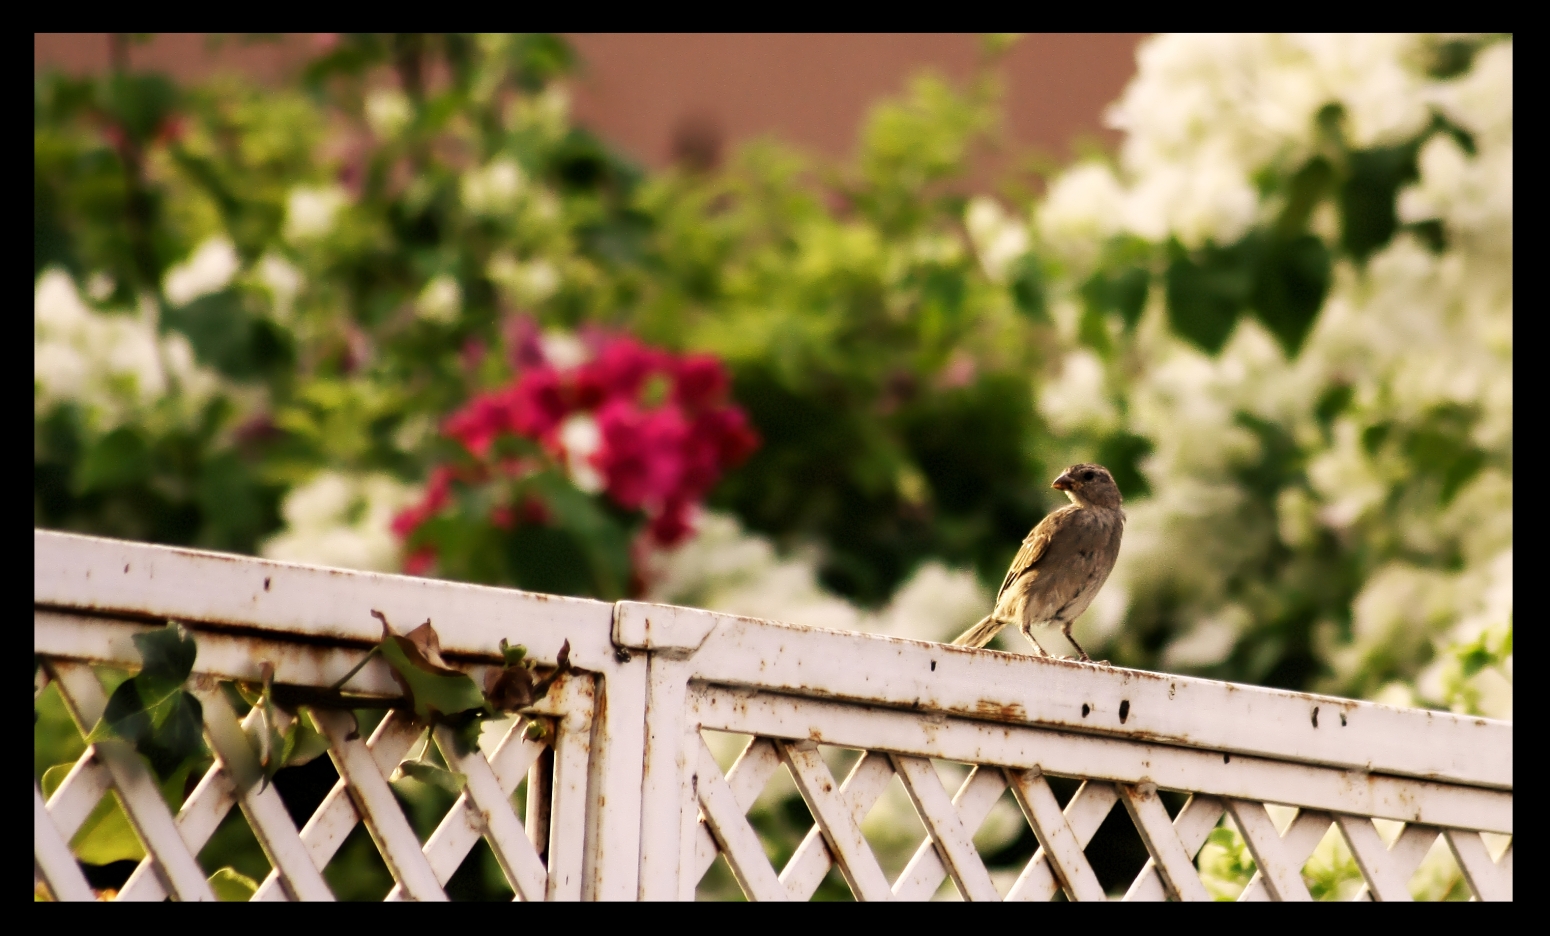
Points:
[(659, 452)]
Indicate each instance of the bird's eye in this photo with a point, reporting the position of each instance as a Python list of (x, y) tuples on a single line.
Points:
[(1088, 476)]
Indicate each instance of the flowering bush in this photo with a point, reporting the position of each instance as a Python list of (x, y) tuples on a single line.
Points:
[(652, 430), (414, 319)]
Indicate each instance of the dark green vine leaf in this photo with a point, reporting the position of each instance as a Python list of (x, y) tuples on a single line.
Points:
[(151, 710)]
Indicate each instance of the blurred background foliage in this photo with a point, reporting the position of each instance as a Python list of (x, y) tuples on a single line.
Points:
[(1281, 314)]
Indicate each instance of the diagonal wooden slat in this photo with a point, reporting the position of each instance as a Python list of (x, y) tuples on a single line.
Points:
[(379, 810), (261, 803), (1490, 880), (136, 789), (1282, 871), (812, 860), (975, 798), (1388, 869), (837, 820), (1083, 814), (1193, 826), (78, 794), (739, 843), (516, 856), (336, 816), (201, 814), (1061, 846), (462, 826), (52, 858), (1299, 840), (953, 839), (1175, 862), (750, 772)]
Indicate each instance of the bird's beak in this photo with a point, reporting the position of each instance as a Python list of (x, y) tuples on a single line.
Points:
[(1062, 483)]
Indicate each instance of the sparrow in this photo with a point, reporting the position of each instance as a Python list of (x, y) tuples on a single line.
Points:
[(1062, 564)]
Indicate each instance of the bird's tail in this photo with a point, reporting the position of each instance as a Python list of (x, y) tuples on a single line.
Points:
[(980, 634)]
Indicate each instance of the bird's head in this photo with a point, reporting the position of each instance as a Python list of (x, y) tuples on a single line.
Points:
[(1089, 486)]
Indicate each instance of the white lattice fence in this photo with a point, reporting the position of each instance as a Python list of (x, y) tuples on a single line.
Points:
[(577, 837), (1016, 719), (625, 798)]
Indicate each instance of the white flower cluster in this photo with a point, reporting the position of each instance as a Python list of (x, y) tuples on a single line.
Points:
[(725, 569), (342, 520), (113, 365), (1413, 334)]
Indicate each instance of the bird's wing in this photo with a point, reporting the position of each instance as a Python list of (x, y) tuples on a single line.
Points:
[(1034, 547)]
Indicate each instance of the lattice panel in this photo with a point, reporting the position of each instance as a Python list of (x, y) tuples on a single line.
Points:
[(1063, 833), (553, 826)]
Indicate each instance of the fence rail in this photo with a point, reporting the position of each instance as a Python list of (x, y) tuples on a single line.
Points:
[(625, 799)]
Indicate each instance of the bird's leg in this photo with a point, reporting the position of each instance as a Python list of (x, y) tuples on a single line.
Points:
[(1066, 629), (1027, 631)]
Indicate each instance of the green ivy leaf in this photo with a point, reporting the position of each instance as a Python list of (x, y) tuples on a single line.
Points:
[(426, 772), (106, 836), (232, 886)]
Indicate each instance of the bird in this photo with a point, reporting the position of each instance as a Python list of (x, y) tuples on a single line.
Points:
[(1062, 564)]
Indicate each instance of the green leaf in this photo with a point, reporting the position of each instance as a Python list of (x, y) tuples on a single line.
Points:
[(168, 655), (303, 742), (1292, 281), (231, 885), (1207, 292), (429, 773), (435, 691), (513, 655), (107, 836), (1028, 289), (118, 459), (1123, 292)]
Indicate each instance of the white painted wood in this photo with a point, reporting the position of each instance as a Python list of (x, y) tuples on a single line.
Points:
[(974, 799), (51, 856), (1069, 754), (136, 788), (668, 774), (1489, 880), (463, 825), (1299, 840), (738, 841), (492, 805), (623, 817), (1088, 807), (862, 788), (373, 797), (568, 809), (1172, 859), (202, 812), (836, 818), (1388, 869), (952, 837), (752, 770), (1061, 846), (1184, 711), (261, 803), (1193, 826), (337, 816), (209, 590), (78, 794), (1281, 871)]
